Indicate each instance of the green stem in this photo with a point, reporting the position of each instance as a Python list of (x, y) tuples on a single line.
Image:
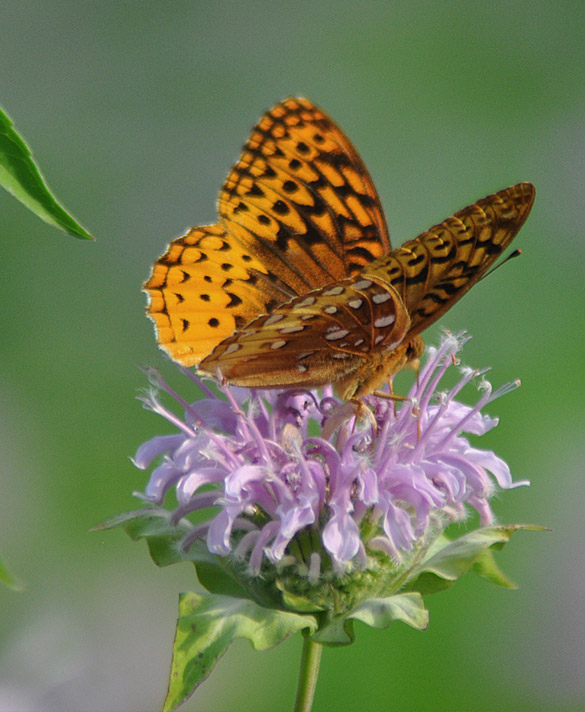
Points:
[(308, 674)]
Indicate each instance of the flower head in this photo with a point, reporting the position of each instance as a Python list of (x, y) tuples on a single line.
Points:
[(297, 481)]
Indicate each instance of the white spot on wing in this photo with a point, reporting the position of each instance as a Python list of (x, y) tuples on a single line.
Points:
[(378, 338), (381, 297), (273, 319), (330, 310), (308, 302), (384, 321), (355, 303), (363, 284), (291, 329), (333, 292), (392, 345), (231, 348), (278, 344), (336, 334)]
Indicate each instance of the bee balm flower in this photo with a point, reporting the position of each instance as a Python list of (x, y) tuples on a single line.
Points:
[(298, 484)]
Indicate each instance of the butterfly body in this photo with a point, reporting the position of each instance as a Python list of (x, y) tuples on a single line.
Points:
[(297, 284)]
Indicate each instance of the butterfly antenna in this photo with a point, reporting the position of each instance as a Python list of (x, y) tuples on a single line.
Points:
[(516, 253)]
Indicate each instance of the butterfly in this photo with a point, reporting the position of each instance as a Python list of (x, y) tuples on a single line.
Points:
[(297, 284)]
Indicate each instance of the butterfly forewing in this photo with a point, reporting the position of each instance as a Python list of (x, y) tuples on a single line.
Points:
[(202, 289), (300, 190), (298, 211), (435, 270)]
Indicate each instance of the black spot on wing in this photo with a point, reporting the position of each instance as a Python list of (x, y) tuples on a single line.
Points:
[(235, 301)]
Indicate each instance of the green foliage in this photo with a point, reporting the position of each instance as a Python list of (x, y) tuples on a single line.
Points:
[(21, 176), (206, 627), (209, 622), (163, 540), (377, 613), (448, 560), (153, 525)]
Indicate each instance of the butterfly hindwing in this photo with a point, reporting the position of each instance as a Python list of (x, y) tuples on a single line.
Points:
[(323, 336), (357, 332)]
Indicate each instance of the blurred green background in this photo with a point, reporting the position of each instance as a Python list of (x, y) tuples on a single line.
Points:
[(135, 111)]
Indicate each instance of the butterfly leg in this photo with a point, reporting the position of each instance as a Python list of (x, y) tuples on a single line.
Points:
[(390, 396)]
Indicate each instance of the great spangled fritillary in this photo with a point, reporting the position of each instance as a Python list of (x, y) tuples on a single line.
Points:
[(297, 285)]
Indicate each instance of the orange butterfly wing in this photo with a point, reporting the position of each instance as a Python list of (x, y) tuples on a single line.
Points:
[(203, 288), (298, 210)]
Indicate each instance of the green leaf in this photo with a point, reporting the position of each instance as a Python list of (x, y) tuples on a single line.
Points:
[(163, 539), (297, 602), (377, 613), (449, 560), (338, 632), (380, 612), (485, 565), (206, 627), (21, 176), (9, 579), (214, 578)]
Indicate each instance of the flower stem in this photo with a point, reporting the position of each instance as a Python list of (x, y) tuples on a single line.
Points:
[(308, 674)]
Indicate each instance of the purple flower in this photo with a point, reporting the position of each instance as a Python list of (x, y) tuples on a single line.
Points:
[(297, 478)]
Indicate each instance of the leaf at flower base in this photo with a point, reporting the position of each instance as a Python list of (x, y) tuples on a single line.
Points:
[(155, 527), (206, 627), (164, 545), (380, 612), (215, 579), (8, 578), (377, 613), (338, 632), (298, 603), (450, 560), (20, 175), (486, 567)]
